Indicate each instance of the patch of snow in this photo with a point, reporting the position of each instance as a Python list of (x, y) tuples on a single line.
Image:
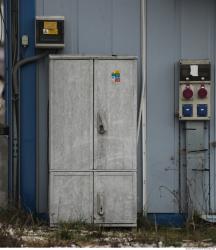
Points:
[(11, 232), (160, 244)]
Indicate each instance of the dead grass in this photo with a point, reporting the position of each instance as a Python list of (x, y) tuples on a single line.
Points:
[(6, 240), (18, 228), (19, 217)]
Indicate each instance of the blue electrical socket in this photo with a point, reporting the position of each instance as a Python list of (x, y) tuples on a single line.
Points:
[(187, 110), (202, 110)]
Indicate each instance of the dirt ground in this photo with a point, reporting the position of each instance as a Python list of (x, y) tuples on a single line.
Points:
[(18, 229)]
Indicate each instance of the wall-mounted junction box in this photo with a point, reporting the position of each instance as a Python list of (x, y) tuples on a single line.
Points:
[(195, 90), (49, 32)]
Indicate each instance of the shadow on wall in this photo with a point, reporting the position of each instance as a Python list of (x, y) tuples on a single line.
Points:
[(3, 138)]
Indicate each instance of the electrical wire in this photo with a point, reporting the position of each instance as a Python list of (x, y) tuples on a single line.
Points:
[(15, 32), (15, 106)]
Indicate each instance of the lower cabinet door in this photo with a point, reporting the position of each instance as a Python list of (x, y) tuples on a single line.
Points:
[(115, 198), (71, 197)]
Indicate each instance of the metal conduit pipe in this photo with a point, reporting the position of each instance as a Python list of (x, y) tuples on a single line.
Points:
[(18, 65), (22, 62), (143, 103)]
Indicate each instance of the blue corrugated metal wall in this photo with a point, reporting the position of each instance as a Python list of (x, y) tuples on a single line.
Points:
[(28, 109)]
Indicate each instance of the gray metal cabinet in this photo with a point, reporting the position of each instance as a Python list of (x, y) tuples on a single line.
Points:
[(92, 140)]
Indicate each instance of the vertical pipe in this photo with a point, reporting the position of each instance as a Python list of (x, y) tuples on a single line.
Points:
[(8, 92), (143, 100)]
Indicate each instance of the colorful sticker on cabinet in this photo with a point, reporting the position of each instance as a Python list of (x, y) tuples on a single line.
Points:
[(116, 76)]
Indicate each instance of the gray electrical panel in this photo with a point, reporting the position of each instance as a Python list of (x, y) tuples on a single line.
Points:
[(92, 140)]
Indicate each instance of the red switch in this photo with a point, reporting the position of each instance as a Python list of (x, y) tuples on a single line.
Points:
[(187, 92), (202, 92)]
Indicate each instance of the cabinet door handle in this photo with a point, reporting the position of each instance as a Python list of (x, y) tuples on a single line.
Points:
[(101, 127), (100, 204)]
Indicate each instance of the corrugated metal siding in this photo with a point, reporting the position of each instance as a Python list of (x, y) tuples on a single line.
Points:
[(176, 29), (162, 128), (179, 29), (27, 110), (91, 27)]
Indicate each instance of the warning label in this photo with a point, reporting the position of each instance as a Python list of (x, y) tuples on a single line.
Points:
[(50, 28)]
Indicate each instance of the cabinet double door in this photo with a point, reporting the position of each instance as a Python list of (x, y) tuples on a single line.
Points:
[(92, 141)]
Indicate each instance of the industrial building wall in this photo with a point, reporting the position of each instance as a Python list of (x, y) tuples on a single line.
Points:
[(162, 126), (176, 29), (108, 27)]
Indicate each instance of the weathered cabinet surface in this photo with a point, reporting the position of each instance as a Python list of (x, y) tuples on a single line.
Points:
[(114, 198), (71, 196), (92, 140), (71, 115), (115, 105)]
